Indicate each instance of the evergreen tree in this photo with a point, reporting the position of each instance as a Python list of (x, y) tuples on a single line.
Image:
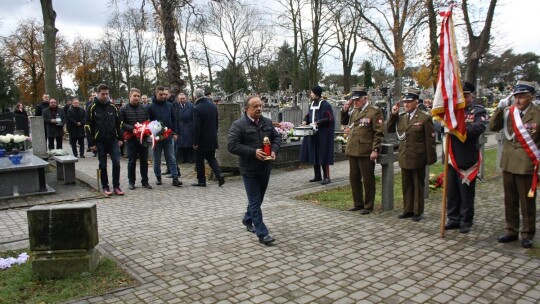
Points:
[(9, 92)]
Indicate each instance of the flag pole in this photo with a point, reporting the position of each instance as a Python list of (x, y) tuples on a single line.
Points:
[(445, 183)]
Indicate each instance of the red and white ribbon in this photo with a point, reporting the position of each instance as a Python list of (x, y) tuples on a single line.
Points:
[(527, 143)]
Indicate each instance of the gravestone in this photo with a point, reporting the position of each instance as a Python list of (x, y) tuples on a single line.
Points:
[(21, 124), (63, 239), (292, 115), (227, 113), (7, 127), (386, 159), (39, 142)]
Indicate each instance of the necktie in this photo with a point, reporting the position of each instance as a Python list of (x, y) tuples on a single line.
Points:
[(256, 121), (521, 114)]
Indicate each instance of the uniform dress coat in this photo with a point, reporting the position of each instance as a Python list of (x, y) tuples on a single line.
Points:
[(184, 122), (460, 196), (365, 136), (416, 151), (318, 149), (518, 170)]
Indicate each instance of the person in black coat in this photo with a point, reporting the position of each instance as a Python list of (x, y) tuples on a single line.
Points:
[(205, 127), (318, 149), (184, 121), (76, 117), (54, 120), (245, 139), (464, 165)]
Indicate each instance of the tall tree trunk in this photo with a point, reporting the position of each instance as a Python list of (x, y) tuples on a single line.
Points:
[(434, 59), (478, 45), (209, 65), (347, 77), (49, 50), (173, 61)]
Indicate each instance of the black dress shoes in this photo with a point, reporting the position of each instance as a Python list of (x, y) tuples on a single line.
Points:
[(147, 186), (315, 179), (526, 243), (464, 229), (405, 215), (158, 181), (221, 180), (417, 217), (249, 227), (267, 240), (131, 186), (199, 184), (507, 238), (365, 211), (451, 226), (325, 181), (354, 209)]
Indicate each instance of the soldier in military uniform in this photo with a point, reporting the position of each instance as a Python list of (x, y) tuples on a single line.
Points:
[(519, 160), (464, 164), (366, 126), (414, 129)]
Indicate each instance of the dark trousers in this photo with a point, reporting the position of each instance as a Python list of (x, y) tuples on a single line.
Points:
[(136, 150), (73, 142), (362, 179), (516, 188), (58, 140), (210, 156), (255, 189), (325, 171), (412, 182), (184, 154), (460, 199), (111, 148)]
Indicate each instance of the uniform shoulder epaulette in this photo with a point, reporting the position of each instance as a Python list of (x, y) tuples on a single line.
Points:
[(538, 107), (374, 107), (425, 112), (402, 113)]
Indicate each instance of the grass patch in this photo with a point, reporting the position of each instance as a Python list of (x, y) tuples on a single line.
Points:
[(341, 197), (19, 285)]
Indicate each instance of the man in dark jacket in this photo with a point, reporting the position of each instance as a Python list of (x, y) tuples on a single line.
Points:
[(245, 139), (42, 105), (205, 127), (104, 136), (131, 114), (318, 149), (162, 111), (464, 165), (184, 121), (76, 116), (54, 120)]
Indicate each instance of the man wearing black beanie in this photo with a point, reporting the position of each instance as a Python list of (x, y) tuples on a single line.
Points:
[(318, 149)]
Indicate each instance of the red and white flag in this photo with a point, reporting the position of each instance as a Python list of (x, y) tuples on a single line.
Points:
[(449, 102)]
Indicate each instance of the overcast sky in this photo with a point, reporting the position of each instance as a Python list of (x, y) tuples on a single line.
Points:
[(515, 25)]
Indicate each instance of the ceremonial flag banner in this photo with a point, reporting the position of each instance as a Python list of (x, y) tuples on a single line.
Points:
[(449, 102)]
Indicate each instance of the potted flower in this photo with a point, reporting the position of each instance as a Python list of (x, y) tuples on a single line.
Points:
[(10, 142)]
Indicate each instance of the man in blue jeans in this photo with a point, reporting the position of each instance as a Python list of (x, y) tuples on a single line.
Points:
[(162, 111), (245, 139), (104, 136)]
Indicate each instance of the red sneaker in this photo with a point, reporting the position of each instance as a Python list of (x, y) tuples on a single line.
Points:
[(118, 191), (107, 191)]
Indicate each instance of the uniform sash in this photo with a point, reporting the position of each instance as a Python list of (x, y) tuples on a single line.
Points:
[(527, 144), (466, 176)]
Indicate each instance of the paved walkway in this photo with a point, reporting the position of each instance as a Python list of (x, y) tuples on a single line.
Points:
[(187, 245)]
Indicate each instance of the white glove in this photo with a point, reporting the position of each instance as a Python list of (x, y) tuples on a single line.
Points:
[(503, 103)]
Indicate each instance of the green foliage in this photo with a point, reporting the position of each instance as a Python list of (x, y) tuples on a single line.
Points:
[(19, 285), (232, 78), (509, 67), (9, 92), (272, 79), (368, 74)]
